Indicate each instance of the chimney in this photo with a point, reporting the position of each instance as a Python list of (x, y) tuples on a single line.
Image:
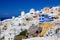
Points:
[(22, 13)]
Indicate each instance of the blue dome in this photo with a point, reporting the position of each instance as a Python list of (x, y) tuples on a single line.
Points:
[(45, 17)]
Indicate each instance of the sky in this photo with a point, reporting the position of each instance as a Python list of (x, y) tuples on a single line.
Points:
[(9, 8)]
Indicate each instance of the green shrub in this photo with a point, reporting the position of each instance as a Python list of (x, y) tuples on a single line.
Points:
[(23, 33)]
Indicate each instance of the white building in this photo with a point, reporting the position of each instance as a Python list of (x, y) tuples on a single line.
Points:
[(15, 24)]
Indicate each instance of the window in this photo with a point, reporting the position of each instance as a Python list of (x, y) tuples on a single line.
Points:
[(4, 28), (57, 30), (27, 19), (43, 15), (51, 12), (31, 13), (19, 24), (8, 38), (3, 37), (10, 34), (27, 36), (37, 32), (11, 38), (55, 17), (33, 24), (40, 12)]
